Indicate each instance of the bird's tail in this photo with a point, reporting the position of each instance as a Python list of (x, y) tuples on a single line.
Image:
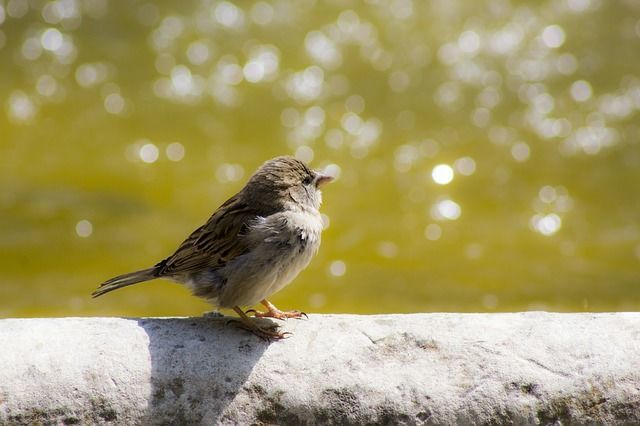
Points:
[(125, 280)]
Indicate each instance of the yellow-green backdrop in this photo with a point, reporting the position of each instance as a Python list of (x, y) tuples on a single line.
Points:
[(488, 151)]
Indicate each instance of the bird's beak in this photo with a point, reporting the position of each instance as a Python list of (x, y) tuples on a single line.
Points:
[(322, 179)]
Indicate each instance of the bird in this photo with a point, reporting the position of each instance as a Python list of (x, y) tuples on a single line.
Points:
[(251, 247)]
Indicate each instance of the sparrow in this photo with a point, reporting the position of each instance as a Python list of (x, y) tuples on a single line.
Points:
[(252, 246)]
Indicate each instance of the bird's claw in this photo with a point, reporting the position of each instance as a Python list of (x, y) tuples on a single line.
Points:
[(266, 334), (277, 314)]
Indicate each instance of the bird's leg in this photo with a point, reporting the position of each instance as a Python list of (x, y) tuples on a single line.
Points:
[(273, 312), (248, 324)]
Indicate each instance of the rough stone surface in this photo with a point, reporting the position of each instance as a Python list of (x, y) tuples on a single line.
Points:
[(523, 368)]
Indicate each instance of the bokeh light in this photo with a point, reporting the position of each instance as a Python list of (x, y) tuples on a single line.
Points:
[(466, 136)]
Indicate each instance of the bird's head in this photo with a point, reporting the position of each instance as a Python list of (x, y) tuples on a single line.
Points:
[(290, 181)]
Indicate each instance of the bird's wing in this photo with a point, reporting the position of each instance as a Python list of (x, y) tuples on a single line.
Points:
[(214, 243)]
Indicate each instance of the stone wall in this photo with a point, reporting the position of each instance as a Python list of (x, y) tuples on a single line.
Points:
[(525, 368)]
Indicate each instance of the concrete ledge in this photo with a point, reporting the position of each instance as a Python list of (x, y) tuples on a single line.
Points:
[(527, 368)]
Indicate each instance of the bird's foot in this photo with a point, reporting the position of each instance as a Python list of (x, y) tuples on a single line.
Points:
[(267, 333), (277, 314), (273, 312)]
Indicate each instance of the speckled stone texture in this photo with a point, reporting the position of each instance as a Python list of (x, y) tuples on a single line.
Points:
[(523, 368)]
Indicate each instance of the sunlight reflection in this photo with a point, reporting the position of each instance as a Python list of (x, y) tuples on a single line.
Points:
[(337, 268), (442, 174), (262, 13), (553, 36), (446, 209), (229, 172), (511, 109), (466, 166), (581, 91), (84, 228), (175, 151), (433, 232), (149, 153), (21, 108), (546, 225)]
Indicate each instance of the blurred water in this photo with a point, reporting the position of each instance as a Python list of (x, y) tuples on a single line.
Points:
[(488, 151)]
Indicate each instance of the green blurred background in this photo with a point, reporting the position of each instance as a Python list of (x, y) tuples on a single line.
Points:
[(488, 151)]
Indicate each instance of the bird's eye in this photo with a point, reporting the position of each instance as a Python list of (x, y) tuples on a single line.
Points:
[(307, 180)]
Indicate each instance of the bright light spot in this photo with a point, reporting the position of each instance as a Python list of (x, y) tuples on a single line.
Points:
[(388, 249), (175, 151), (149, 153), (56, 11), (432, 232), (229, 172), (466, 166), (544, 103), (51, 39), (263, 64), (446, 210), (21, 108), (481, 117), (322, 49), (262, 13), (547, 194), (579, 6), (348, 21), (352, 123), (448, 95), (46, 85), (31, 49), (253, 71), (17, 8), (229, 71), (88, 75), (314, 116), (405, 156), (469, 42), (520, 152), (306, 85), (553, 36), (332, 170), (337, 268), (442, 174), (304, 153), (229, 15), (198, 53), (114, 103), (581, 91), (546, 225), (181, 80), (84, 228)]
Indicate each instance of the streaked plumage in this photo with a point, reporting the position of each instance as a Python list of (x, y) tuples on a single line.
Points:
[(253, 245)]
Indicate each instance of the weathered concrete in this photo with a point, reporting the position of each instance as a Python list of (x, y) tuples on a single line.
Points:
[(527, 368)]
